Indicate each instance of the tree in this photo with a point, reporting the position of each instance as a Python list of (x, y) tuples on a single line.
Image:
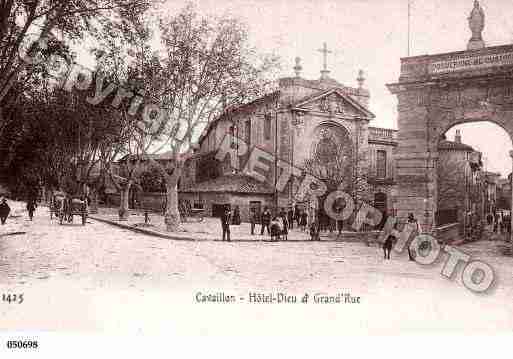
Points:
[(206, 66), (73, 19)]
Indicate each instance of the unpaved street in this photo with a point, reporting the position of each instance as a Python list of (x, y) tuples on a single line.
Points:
[(102, 278)]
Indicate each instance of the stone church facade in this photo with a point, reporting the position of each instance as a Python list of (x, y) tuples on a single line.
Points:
[(319, 126)]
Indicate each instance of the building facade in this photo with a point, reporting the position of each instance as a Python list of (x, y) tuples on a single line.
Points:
[(461, 189), (309, 127)]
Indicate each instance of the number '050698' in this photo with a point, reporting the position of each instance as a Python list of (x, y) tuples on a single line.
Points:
[(22, 344)]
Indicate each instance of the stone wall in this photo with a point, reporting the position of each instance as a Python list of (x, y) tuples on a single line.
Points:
[(208, 199)]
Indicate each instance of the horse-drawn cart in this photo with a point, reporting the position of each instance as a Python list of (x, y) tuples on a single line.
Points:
[(65, 208), (74, 207)]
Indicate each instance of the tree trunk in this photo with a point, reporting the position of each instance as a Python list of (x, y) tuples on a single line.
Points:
[(172, 215), (123, 204)]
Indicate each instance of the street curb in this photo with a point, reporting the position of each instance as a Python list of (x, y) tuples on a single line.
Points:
[(192, 239), (12, 234), (144, 231)]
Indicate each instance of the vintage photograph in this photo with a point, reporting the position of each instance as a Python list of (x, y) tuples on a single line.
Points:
[(250, 167)]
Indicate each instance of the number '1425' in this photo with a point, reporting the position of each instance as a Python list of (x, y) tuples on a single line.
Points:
[(12, 298)]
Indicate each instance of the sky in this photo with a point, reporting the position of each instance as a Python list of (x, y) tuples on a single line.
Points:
[(371, 35)]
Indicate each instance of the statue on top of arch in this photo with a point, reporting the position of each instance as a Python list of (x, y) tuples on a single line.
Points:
[(476, 23)]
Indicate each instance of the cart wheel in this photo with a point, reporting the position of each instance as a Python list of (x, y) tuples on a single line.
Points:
[(61, 219), (200, 219)]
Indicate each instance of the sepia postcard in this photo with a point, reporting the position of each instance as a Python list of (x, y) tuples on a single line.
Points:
[(254, 168)]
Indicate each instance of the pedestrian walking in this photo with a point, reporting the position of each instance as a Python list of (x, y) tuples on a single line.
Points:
[(303, 217), (226, 218), (489, 219), (389, 242), (31, 207), (284, 226), (4, 210), (265, 221)]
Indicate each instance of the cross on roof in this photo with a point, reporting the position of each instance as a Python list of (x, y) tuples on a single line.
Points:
[(325, 52)]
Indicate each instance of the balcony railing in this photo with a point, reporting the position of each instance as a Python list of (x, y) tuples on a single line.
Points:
[(376, 133)]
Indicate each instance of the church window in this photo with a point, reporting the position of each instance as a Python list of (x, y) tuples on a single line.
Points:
[(267, 126), (381, 164), (247, 133)]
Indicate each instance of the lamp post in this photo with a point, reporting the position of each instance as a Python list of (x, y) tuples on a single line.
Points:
[(275, 162), (426, 216)]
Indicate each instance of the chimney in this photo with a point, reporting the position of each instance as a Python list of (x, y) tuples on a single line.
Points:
[(457, 136)]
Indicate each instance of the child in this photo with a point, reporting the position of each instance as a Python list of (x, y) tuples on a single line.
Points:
[(275, 229)]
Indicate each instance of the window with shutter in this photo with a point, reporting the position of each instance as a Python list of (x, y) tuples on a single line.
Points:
[(381, 164)]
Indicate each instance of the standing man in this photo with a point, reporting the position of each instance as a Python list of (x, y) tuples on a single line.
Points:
[(236, 216), (412, 221), (31, 207), (4, 210), (265, 221), (290, 217), (252, 220), (226, 219)]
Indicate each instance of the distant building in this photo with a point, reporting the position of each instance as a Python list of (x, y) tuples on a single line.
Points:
[(460, 187), (491, 183), (504, 193)]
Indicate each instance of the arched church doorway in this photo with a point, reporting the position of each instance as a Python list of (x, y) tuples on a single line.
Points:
[(331, 161)]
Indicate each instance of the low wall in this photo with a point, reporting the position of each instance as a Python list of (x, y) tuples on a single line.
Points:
[(366, 237), (448, 233), (153, 201)]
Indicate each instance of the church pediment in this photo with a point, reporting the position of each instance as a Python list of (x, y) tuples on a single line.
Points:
[(334, 102)]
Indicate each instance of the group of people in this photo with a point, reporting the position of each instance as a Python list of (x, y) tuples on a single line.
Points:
[(501, 222), (287, 219), (276, 226), (5, 210)]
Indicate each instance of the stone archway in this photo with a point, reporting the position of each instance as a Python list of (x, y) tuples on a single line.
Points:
[(434, 93)]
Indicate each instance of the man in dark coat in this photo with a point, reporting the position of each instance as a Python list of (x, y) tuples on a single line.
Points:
[(236, 216), (252, 220), (226, 219), (4, 210), (290, 217), (265, 221), (31, 207)]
